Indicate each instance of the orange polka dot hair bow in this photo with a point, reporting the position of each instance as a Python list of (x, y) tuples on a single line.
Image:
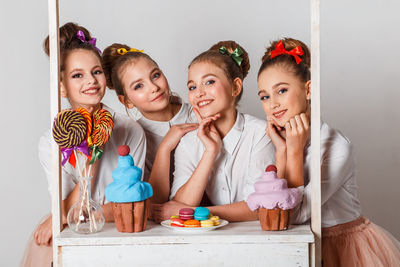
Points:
[(280, 49)]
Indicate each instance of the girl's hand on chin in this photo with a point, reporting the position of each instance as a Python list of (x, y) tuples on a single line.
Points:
[(276, 134), (208, 134), (200, 118), (297, 132), (175, 133)]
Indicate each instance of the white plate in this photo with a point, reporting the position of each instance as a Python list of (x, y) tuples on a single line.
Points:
[(193, 230)]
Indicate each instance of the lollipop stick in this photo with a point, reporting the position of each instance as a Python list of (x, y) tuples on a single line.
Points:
[(85, 168), (81, 206), (89, 211), (94, 222), (90, 168), (77, 163), (84, 189)]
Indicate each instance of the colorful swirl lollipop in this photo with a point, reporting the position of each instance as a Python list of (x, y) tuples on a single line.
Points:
[(102, 127), (69, 129), (88, 119)]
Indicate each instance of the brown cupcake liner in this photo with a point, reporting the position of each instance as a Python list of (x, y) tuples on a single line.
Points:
[(131, 217), (274, 220)]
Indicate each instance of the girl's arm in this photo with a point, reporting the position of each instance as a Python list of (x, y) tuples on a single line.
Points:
[(275, 133), (297, 132), (108, 213), (191, 192), (159, 176), (337, 168), (235, 212)]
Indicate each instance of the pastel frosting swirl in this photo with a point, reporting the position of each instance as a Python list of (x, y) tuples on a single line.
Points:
[(272, 192), (127, 185)]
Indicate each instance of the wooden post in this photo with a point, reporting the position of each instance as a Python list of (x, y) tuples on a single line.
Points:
[(54, 109), (315, 134)]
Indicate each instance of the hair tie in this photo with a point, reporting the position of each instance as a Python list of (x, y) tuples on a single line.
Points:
[(280, 49), (235, 55), (81, 36), (123, 51)]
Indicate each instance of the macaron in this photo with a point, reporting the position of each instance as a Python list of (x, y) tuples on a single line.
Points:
[(176, 222), (201, 213), (192, 223), (215, 220), (207, 223), (174, 216), (186, 214)]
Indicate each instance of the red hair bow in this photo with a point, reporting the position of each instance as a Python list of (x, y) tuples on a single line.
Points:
[(280, 49)]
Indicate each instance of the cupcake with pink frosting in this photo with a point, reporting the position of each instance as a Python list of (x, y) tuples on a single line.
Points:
[(274, 200)]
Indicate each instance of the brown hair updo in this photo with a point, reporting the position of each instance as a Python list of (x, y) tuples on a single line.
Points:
[(225, 62), (301, 70), (69, 42), (114, 65)]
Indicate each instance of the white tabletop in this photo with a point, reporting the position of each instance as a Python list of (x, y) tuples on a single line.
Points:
[(239, 232)]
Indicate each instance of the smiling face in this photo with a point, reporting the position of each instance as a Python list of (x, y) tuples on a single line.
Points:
[(145, 86), (210, 91), (83, 80), (283, 95)]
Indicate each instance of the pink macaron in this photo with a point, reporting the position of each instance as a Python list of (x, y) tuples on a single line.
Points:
[(186, 214)]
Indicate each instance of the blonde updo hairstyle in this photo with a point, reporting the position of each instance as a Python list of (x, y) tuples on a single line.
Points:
[(301, 70), (225, 62)]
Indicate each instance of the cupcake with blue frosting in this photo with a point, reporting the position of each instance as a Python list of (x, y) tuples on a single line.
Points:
[(128, 194)]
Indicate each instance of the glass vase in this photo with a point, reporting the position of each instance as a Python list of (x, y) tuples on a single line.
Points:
[(85, 216)]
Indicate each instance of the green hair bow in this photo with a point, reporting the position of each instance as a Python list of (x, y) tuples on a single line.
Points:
[(235, 55)]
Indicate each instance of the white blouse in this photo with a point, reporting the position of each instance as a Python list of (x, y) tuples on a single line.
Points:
[(156, 130), (125, 132), (245, 152), (339, 199)]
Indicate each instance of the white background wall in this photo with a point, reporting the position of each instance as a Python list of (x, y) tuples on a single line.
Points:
[(360, 82)]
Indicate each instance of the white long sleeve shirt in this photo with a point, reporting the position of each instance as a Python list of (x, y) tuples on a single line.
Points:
[(339, 201), (125, 132), (245, 153)]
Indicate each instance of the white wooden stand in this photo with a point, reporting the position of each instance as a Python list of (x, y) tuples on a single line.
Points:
[(237, 244)]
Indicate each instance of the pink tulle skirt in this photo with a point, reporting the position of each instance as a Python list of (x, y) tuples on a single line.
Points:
[(358, 243), (37, 256)]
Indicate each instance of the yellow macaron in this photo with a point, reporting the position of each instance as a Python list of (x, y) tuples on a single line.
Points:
[(207, 223), (215, 220)]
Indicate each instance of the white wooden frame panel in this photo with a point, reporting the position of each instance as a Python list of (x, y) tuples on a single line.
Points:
[(54, 109), (110, 248), (295, 254), (315, 134)]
